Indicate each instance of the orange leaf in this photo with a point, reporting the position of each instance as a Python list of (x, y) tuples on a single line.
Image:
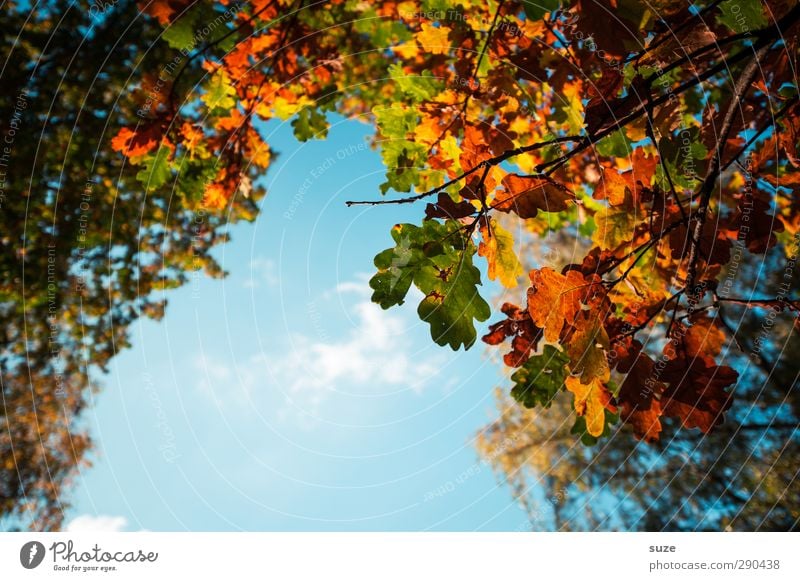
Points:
[(215, 197), (613, 187), (139, 142), (554, 299), (525, 196)]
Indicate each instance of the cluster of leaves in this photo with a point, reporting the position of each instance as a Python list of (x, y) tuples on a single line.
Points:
[(635, 136), (666, 136)]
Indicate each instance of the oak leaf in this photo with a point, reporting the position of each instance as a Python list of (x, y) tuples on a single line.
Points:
[(591, 400), (497, 247), (554, 299), (527, 195)]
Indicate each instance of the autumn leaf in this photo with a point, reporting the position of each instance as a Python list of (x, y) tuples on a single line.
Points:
[(704, 338), (447, 208), (698, 392), (554, 299), (526, 196), (497, 247), (639, 395), (433, 39), (614, 187), (164, 10), (215, 197), (586, 346), (591, 400), (138, 141), (518, 325)]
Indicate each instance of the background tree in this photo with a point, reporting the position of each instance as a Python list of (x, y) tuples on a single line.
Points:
[(86, 248)]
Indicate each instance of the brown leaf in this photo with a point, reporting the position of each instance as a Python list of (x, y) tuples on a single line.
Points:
[(697, 393), (525, 196), (518, 325), (445, 207), (638, 395)]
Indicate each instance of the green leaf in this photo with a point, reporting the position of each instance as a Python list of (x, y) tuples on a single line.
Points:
[(742, 15), (438, 261), (396, 267), (219, 92), (402, 160), (193, 177), (180, 33), (617, 144), (156, 170), (419, 87), (402, 157), (579, 428), (452, 301), (395, 122), (310, 124), (540, 378), (536, 9)]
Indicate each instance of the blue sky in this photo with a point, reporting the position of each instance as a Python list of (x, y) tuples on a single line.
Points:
[(280, 398)]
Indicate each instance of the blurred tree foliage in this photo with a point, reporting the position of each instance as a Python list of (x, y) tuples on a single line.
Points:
[(86, 248)]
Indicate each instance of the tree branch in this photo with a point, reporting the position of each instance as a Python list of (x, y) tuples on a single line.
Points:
[(712, 175), (488, 162)]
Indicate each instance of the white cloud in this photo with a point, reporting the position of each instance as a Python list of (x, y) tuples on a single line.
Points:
[(86, 523), (262, 272), (375, 354)]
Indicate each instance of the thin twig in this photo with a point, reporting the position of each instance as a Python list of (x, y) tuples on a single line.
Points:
[(491, 161)]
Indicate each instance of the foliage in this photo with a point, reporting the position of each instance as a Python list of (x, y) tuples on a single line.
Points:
[(665, 137), (494, 111)]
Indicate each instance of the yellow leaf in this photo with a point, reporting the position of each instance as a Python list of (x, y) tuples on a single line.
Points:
[(521, 126), (406, 50), (615, 227), (451, 150), (526, 163), (590, 402), (587, 346), (427, 131), (498, 248), (574, 107), (284, 109), (219, 92), (433, 39)]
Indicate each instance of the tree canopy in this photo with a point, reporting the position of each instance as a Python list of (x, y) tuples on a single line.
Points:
[(660, 136)]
